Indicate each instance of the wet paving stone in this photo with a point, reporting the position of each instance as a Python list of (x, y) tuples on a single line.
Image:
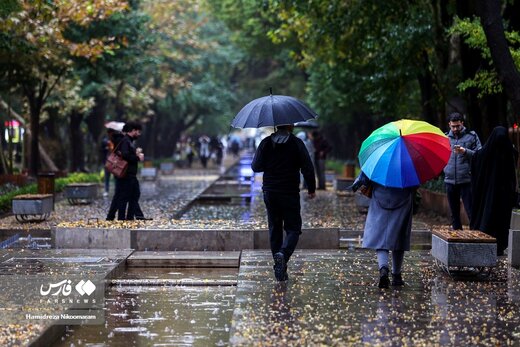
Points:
[(162, 315), (332, 298), (21, 270)]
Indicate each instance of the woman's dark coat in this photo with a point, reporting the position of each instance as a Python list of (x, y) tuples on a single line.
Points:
[(493, 184)]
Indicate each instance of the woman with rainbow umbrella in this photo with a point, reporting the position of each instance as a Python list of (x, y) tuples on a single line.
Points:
[(395, 159)]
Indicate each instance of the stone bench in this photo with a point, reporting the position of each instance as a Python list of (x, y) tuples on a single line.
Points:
[(464, 248), (32, 207), (81, 193)]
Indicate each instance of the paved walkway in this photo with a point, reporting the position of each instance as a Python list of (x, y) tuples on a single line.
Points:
[(332, 299)]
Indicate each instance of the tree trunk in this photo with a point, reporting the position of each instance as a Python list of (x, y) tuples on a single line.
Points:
[(96, 120), (77, 149), (43, 153), (35, 109), (491, 20)]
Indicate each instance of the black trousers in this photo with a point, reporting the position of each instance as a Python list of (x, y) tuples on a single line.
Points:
[(283, 213), (127, 192), (454, 193)]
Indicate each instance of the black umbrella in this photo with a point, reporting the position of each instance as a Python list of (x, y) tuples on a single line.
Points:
[(272, 110), (309, 124)]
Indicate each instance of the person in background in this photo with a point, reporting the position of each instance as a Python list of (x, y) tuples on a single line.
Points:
[(107, 146), (321, 149), (281, 157), (457, 173), (494, 185), (204, 150), (127, 191), (302, 135)]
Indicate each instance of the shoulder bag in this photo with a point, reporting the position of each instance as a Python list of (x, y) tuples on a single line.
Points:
[(115, 163)]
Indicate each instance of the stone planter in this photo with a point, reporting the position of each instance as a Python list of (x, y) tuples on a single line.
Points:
[(81, 193), (513, 248), (166, 168), (438, 202), (32, 207), (341, 183), (149, 173), (468, 248)]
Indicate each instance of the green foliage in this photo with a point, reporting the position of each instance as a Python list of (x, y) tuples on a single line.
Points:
[(59, 185), (436, 185), (486, 79)]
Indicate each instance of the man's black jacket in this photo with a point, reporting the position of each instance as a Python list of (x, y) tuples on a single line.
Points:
[(281, 163)]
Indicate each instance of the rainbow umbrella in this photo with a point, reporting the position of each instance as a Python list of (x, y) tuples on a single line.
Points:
[(404, 153)]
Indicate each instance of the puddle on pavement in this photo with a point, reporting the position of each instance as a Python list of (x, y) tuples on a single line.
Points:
[(162, 315)]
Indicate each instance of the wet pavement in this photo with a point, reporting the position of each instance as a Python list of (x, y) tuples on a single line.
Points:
[(22, 272), (162, 315), (332, 299)]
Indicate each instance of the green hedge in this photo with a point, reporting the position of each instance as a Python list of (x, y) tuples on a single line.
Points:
[(59, 185)]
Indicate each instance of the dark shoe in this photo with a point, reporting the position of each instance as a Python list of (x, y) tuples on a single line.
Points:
[(384, 281), (280, 268), (143, 218), (397, 280)]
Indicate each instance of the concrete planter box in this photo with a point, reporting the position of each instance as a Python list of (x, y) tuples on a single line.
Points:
[(319, 238), (167, 168), (185, 239), (81, 193), (461, 252), (89, 238), (513, 249), (149, 173), (32, 207), (515, 220), (438, 202), (341, 183)]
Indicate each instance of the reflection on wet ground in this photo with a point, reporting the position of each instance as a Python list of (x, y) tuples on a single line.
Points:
[(332, 298), (162, 315), (22, 272)]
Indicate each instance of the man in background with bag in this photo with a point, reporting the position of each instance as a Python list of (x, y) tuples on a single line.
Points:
[(127, 190)]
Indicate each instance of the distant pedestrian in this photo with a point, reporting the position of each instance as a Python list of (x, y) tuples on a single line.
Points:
[(204, 150), (494, 185), (302, 135), (281, 157), (106, 148), (126, 197), (321, 150), (457, 172), (388, 227)]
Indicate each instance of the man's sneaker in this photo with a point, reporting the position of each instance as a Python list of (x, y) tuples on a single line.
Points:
[(397, 280), (384, 281), (280, 268)]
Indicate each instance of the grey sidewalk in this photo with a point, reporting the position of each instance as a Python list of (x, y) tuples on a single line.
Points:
[(332, 299)]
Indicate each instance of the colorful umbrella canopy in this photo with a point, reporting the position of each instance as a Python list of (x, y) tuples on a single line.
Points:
[(404, 153)]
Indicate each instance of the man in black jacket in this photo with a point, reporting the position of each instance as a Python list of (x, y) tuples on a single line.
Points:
[(281, 156), (127, 190)]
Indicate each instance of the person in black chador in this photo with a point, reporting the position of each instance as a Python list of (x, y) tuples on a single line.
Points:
[(493, 183), (281, 156), (127, 190)]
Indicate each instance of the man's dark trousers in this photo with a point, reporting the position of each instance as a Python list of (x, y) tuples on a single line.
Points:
[(455, 192), (283, 212)]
